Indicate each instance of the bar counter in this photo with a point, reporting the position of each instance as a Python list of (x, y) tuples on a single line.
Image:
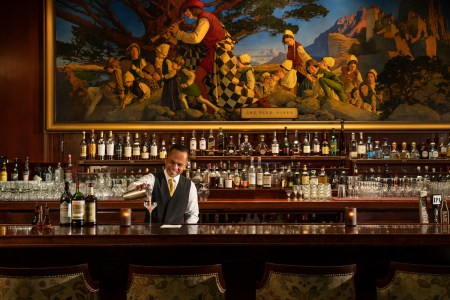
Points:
[(242, 249)]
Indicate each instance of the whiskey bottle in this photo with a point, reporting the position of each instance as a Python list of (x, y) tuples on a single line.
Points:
[(353, 154), (323, 178), (404, 154), (83, 146), (267, 178), (4, 172), (163, 150), (101, 147), (325, 145), (119, 148), (361, 146), (68, 170), (296, 146), (231, 147), (285, 145), (154, 148), (333, 143), (442, 148), (275, 147), (424, 154), (145, 150), (127, 149), (415, 154), (136, 148), (15, 170), (305, 176), (220, 143), (211, 144), (90, 215), (313, 179), (202, 144), (65, 206), (26, 170), (262, 148), (236, 177), (297, 175), (394, 152), (78, 207), (92, 147), (246, 148), (316, 148), (193, 145), (259, 174), (110, 146), (251, 174), (306, 145), (244, 177)]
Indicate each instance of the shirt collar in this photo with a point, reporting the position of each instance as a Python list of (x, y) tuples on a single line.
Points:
[(176, 178)]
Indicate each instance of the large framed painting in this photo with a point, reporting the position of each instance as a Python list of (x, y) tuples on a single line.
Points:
[(247, 64)]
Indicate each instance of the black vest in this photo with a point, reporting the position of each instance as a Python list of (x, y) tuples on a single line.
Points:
[(170, 210)]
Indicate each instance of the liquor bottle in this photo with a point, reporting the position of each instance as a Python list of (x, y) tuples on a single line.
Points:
[(325, 145), (262, 148), (92, 147), (275, 147), (296, 146), (244, 177), (313, 179), (136, 148), (193, 145), (26, 170), (68, 170), (415, 154), (369, 148), (101, 147), (78, 207), (202, 144), (404, 154), (424, 154), (154, 148), (238, 145), (285, 146), (289, 177), (433, 153), (229, 177), (59, 173), (306, 145), (353, 154), (323, 178), (231, 147), (316, 148), (119, 148), (394, 152), (342, 147), (182, 141), (172, 141), (163, 150), (110, 146), (333, 143), (211, 144), (47, 220), (49, 174), (220, 143), (236, 177), (305, 176), (442, 148), (127, 148), (90, 215), (251, 174), (377, 152), (386, 149), (259, 174), (145, 150), (15, 170), (361, 146), (4, 172), (267, 178), (297, 175), (65, 206), (83, 146), (246, 148)]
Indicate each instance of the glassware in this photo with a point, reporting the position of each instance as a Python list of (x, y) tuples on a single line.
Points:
[(203, 192), (288, 193), (149, 204)]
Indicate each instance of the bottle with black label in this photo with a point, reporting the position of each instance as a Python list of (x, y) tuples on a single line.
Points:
[(65, 206), (90, 215), (78, 207)]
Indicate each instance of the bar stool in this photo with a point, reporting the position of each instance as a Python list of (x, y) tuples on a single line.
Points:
[(306, 282), (413, 281), (180, 282), (68, 282)]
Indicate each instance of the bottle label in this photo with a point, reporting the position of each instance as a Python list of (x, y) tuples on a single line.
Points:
[(68, 176), (78, 209), (162, 154), (275, 150), (83, 151), (361, 149), (136, 151), (259, 179), (202, 145), (154, 151), (325, 150), (237, 181), (92, 150), (267, 181), (145, 155), (110, 149), (90, 215), (228, 183), (4, 176), (252, 179), (127, 152), (65, 211), (316, 148), (101, 149), (193, 145), (15, 177), (26, 176), (424, 153), (306, 149)]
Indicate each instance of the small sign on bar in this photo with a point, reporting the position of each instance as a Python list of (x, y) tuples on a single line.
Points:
[(269, 113)]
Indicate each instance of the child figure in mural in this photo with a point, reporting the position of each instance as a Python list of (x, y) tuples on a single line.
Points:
[(113, 90), (371, 79), (190, 88), (133, 62), (171, 82), (368, 96), (287, 76), (326, 79), (134, 90), (350, 75), (245, 71), (264, 86), (355, 98)]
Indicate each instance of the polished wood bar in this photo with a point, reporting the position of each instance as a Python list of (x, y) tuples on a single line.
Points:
[(242, 249)]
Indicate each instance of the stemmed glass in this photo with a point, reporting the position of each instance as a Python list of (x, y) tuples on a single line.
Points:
[(295, 189), (288, 193), (149, 204)]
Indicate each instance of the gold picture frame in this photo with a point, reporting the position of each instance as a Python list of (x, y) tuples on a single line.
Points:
[(51, 125)]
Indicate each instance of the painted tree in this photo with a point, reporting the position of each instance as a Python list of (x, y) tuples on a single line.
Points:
[(101, 27)]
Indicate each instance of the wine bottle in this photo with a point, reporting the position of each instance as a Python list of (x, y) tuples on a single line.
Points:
[(65, 206), (110, 146), (285, 145), (78, 207), (83, 146), (306, 145), (92, 147), (316, 149), (325, 145), (154, 148), (68, 170), (90, 215), (101, 147)]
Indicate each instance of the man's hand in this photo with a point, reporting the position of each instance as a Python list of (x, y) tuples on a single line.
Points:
[(143, 186)]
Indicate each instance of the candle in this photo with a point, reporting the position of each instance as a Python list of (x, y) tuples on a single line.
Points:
[(125, 217), (350, 216)]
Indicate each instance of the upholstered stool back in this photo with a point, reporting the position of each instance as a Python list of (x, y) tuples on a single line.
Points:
[(69, 282), (179, 282), (306, 282), (412, 281)]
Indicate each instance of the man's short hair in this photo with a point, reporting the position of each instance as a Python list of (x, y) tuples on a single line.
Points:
[(179, 147)]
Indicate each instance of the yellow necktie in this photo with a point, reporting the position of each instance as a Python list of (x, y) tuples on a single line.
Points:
[(171, 186)]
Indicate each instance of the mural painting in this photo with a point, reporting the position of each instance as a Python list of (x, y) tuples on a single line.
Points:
[(189, 61)]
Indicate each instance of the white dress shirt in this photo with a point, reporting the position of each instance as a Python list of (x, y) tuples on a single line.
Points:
[(191, 213)]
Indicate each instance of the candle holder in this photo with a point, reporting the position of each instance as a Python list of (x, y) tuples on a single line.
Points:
[(350, 216), (125, 217)]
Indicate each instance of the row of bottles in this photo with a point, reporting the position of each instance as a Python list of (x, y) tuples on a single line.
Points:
[(222, 144), (78, 210)]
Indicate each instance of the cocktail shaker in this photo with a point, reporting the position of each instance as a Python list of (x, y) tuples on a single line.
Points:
[(134, 195)]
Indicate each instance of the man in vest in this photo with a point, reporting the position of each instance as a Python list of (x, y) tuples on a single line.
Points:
[(175, 194)]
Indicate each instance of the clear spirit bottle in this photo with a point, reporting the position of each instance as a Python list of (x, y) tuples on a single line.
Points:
[(316, 149), (110, 146), (275, 147), (377, 152), (296, 145), (353, 154)]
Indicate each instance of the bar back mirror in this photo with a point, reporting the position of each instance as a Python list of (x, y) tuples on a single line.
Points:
[(252, 64)]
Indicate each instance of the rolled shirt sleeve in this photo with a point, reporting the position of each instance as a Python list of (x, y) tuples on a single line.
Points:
[(197, 35)]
